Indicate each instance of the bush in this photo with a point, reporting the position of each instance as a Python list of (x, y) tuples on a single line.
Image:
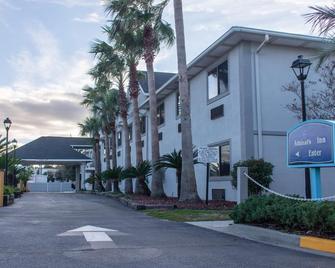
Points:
[(318, 217), (8, 190), (259, 170)]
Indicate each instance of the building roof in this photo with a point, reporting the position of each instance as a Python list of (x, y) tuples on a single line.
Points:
[(160, 79), (54, 150), (228, 41)]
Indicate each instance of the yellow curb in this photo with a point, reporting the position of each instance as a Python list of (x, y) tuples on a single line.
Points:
[(316, 243)]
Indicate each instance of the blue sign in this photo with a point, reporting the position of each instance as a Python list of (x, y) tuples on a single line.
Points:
[(311, 144)]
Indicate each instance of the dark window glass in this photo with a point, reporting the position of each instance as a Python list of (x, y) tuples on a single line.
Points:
[(223, 167), (160, 136), (178, 105), (142, 124), (130, 127), (119, 138), (218, 80), (161, 114)]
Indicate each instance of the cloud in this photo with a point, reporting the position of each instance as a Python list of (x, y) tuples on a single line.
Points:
[(44, 98), (69, 3), (90, 18)]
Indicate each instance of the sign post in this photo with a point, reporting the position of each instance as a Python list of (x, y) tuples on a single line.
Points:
[(208, 155), (1, 187), (311, 145)]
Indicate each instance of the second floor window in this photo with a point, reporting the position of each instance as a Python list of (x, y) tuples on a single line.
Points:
[(218, 80), (142, 124), (119, 138), (160, 114)]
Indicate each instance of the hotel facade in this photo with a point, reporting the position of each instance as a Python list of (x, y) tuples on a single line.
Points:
[(237, 104)]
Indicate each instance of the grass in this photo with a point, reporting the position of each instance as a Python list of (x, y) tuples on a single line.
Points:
[(183, 215)]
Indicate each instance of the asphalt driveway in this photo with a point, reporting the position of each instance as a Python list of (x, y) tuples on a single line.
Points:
[(30, 237)]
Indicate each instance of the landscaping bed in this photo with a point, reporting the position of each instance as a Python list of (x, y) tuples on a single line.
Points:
[(298, 217), (188, 215)]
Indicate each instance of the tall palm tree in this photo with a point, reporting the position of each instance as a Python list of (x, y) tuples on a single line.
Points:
[(129, 42), (147, 16), (188, 190), (91, 126), (113, 66), (323, 20)]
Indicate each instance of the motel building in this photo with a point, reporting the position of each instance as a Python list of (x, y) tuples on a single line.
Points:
[(237, 104)]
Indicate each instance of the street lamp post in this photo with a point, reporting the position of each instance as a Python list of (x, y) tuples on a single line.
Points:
[(7, 123), (14, 142), (301, 68)]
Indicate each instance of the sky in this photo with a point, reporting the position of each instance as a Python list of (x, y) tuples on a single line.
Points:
[(44, 56)]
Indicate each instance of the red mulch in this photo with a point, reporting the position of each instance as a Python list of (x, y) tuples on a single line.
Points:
[(212, 204)]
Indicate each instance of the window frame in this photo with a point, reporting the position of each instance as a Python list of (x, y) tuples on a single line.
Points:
[(159, 117), (119, 138), (220, 94), (223, 177)]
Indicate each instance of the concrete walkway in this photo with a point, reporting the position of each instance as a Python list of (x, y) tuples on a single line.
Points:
[(41, 230)]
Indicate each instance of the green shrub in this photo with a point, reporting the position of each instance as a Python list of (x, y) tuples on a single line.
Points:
[(8, 190), (259, 170), (318, 217)]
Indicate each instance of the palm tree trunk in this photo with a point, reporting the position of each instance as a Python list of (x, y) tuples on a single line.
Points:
[(157, 189), (140, 186), (124, 117), (188, 191), (98, 184), (178, 174), (116, 188), (108, 163)]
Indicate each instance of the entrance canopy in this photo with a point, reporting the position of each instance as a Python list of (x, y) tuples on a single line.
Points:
[(55, 151)]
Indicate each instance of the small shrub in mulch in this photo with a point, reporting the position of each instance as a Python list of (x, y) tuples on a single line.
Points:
[(214, 204)]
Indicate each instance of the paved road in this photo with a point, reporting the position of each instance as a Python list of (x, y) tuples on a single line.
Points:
[(29, 229)]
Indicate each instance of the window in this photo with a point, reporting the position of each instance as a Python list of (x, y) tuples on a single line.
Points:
[(218, 80), (178, 104), (217, 112), (142, 124), (179, 128), (160, 114), (160, 136), (119, 138), (130, 127), (223, 167)]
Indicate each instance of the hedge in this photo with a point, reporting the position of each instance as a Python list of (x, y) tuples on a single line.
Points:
[(316, 217)]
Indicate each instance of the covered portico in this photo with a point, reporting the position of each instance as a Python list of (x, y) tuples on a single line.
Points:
[(59, 151)]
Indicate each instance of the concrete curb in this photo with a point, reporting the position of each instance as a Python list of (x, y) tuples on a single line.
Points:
[(271, 237), (129, 203)]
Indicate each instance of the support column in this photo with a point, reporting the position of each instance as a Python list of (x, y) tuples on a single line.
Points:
[(242, 184), (77, 178), (315, 182)]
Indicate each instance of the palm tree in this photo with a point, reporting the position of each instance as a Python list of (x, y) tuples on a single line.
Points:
[(174, 160), (113, 66), (129, 42), (323, 20), (91, 126), (113, 174), (147, 16), (141, 171), (188, 190)]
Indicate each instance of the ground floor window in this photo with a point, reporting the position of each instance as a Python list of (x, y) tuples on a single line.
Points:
[(222, 168)]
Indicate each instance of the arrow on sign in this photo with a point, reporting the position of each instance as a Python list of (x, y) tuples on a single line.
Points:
[(297, 154), (97, 237)]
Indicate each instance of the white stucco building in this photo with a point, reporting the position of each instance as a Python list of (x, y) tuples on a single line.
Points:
[(237, 104)]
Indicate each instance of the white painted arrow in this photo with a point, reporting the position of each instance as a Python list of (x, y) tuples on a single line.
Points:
[(96, 236)]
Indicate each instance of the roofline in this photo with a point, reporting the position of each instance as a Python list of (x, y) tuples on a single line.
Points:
[(241, 29)]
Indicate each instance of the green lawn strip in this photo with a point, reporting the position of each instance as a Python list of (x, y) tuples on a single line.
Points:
[(184, 215)]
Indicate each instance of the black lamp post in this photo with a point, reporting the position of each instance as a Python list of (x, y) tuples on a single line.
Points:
[(301, 68), (7, 123), (14, 142)]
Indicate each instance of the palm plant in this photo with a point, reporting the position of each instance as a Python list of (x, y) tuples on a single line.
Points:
[(129, 42), (113, 66), (175, 160), (141, 171), (187, 187), (323, 21), (114, 174), (146, 16), (91, 126)]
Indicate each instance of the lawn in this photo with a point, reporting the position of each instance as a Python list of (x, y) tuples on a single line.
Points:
[(184, 215)]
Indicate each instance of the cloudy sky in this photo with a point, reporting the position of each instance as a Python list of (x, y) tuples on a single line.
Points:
[(44, 45)]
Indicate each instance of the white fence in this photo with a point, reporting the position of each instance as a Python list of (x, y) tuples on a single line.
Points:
[(50, 187)]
